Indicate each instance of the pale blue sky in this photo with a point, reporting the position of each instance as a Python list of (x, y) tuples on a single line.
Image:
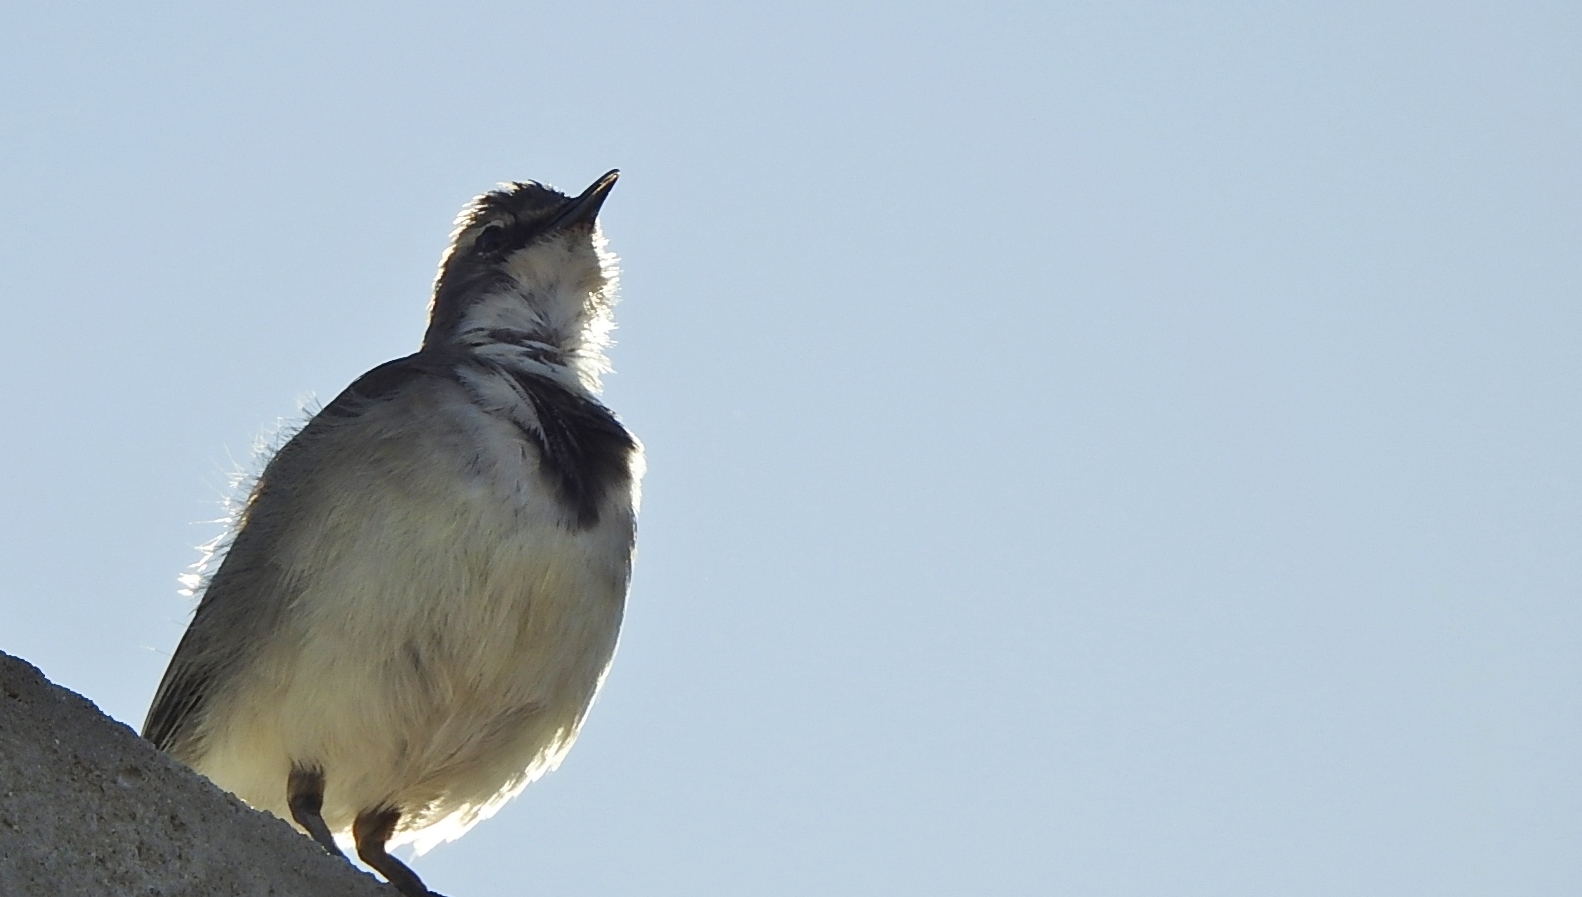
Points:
[(1095, 449)]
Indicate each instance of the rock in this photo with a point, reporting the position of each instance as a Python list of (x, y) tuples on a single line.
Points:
[(89, 809)]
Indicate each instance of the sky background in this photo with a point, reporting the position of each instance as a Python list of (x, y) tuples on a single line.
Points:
[(1094, 449)]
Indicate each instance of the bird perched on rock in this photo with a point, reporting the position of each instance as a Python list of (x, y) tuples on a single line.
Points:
[(422, 593)]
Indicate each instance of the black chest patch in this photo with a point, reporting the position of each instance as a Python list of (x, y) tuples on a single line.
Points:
[(583, 449)]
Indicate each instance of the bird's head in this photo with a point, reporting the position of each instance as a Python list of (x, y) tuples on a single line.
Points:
[(527, 266)]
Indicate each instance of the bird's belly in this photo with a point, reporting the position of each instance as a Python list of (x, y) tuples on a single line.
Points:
[(442, 656)]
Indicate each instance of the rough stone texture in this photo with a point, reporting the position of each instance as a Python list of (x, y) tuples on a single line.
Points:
[(89, 809)]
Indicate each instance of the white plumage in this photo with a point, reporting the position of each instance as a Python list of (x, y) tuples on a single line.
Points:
[(510, 618)]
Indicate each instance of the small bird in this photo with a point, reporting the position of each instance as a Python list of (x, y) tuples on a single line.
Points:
[(422, 593)]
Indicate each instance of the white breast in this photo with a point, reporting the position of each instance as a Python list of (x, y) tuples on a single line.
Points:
[(450, 633)]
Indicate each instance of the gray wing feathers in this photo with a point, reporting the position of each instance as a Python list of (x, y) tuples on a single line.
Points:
[(242, 605)]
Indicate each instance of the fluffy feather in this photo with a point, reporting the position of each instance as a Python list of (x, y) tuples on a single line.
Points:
[(424, 589)]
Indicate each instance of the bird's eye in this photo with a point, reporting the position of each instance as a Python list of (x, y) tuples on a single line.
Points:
[(489, 239)]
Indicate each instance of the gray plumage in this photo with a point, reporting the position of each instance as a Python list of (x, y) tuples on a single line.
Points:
[(423, 591)]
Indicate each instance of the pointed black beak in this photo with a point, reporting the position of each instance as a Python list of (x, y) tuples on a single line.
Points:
[(585, 208)]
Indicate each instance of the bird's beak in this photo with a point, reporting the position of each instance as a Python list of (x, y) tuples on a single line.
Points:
[(585, 208)]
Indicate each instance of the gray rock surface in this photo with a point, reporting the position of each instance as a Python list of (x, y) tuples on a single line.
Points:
[(89, 809)]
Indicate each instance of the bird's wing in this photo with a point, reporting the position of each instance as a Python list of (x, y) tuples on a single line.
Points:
[(241, 605), (238, 609), (181, 692)]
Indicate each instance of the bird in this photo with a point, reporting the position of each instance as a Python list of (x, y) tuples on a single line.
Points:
[(420, 596)]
